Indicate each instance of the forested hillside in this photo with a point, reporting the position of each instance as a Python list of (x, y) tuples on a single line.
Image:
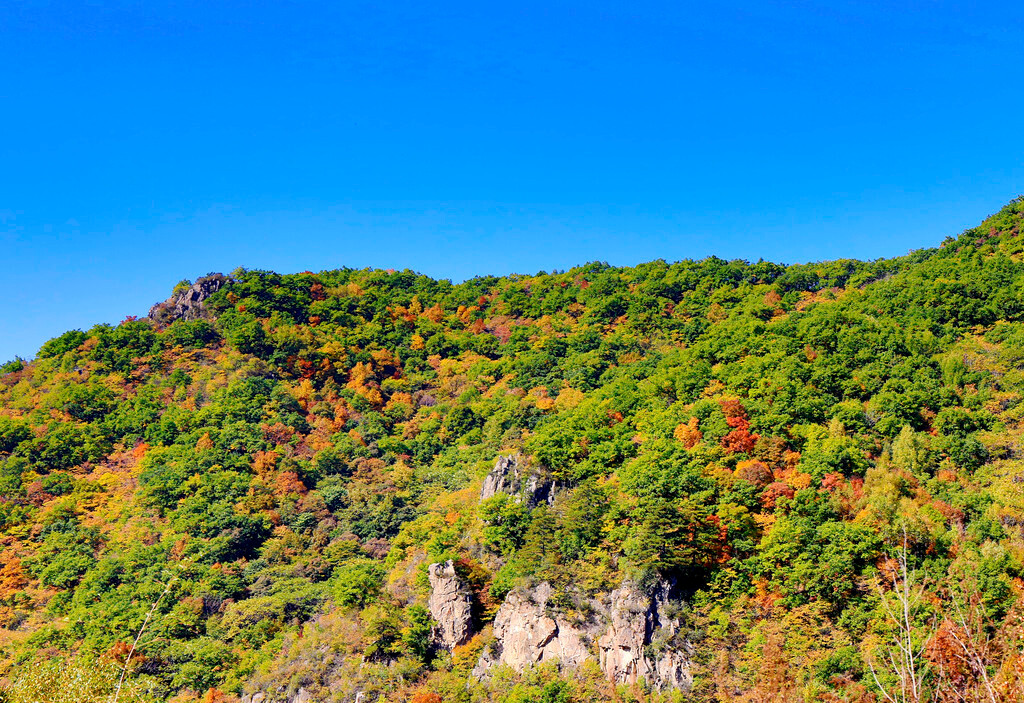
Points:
[(243, 494)]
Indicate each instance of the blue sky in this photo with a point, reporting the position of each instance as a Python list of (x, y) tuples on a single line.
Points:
[(146, 142)]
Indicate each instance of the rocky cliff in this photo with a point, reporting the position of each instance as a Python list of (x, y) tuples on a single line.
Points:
[(643, 639), (634, 635), (188, 304), (526, 633)]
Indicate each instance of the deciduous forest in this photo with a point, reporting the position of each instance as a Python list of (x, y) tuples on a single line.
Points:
[(808, 476)]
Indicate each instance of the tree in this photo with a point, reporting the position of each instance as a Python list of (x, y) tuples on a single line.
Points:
[(903, 658)]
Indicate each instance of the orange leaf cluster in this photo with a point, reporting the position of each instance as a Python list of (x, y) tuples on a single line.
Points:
[(740, 440), (774, 491), (426, 697), (755, 472), (264, 463), (689, 433), (12, 576), (288, 482), (278, 433)]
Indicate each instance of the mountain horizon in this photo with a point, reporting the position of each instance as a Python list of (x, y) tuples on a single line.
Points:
[(24, 356)]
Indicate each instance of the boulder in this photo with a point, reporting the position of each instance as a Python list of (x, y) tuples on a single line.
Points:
[(450, 605)]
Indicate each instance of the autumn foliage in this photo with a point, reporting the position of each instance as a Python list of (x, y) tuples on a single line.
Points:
[(818, 463)]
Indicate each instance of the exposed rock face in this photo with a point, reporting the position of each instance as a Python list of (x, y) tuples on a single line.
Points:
[(188, 304), (640, 640), (631, 633), (510, 476), (450, 604), (525, 634)]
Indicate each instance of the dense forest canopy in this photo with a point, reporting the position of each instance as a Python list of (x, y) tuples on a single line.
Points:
[(264, 485)]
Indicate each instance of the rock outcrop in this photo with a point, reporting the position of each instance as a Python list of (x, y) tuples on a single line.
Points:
[(300, 696), (642, 640), (450, 605), (526, 634), (511, 476), (633, 634), (188, 304)]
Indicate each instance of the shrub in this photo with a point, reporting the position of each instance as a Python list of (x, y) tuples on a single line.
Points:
[(59, 345), (358, 583)]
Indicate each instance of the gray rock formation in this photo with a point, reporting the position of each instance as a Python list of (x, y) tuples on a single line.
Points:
[(450, 605), (511, 476), (632, 634), (188, 304), (301, 696), (642, 640), (526, 634)]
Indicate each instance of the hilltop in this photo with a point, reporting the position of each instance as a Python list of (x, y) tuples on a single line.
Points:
[(704, 480)]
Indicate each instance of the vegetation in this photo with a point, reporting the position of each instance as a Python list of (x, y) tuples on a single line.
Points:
[(826, 456)]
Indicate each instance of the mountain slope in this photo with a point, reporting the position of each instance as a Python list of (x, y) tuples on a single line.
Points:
[(275, 460)]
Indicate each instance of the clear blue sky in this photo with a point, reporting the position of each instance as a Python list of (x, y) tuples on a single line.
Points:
[(146, 142)]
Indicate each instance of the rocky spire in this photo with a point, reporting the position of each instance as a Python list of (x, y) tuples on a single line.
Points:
[(450, 605)]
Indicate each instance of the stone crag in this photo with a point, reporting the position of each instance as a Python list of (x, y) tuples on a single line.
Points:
[(450, 605), (631, 633), (642, 640), (525, 633), (188, 304), (300, 696), (511, 476)]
